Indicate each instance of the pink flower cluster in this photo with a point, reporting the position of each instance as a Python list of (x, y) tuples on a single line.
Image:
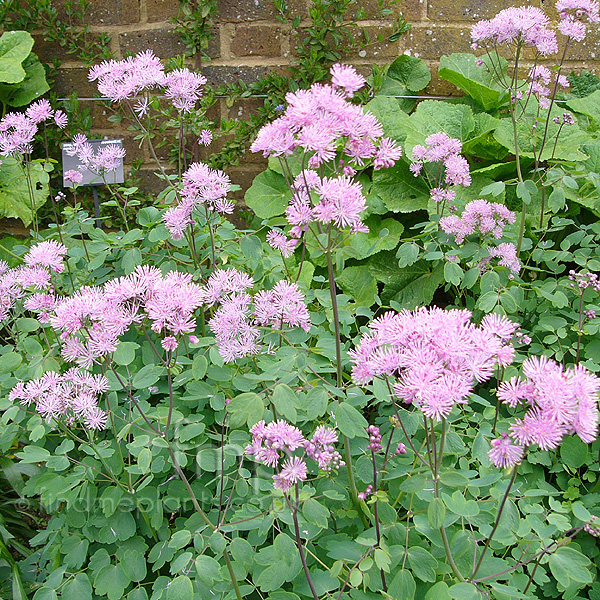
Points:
[(104, 160), (93, 318), (71, 397), (322, 121), (125, 79), (41, 261), (573, 14), (558, 402), (341, 203), (523, 24), (273, 445), (202, 186), (236, 325), (478, 217), (507, 253), (374, 438), (440, 148), (539, 78), (17, 130), (584, 280), (437, 356)]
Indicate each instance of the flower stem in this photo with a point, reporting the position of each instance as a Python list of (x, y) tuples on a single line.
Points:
[(500, 509)]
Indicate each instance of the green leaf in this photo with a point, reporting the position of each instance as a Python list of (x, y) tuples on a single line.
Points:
[(476, 81), (350, 422), (453, 273), (403, 586), (15, 196), (432, 116), (285, 401), (269, 194), (125, 353), (573, 452), (358, 283), (569, 565), (420, 291), (33, 86), (134, 565), (9, 361), (15, 47), (438, 592), (436, 513), (464, 591), (78, 588), (422, 563), (45, 593), (590, 105), (199, 366), (410, 72), (111, 581), (180, 588), (33, 454), (245, 409), (315, 403), (383, 235), (407, 254), (144, 459), (399, 189), (208, 570), (147, 376), (405, 76), (314, 512)]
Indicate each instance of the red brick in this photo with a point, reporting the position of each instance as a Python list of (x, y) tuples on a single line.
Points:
[(256, 40), (113, 12), (412, 10), (232, 11), (161, 10), (468, 10), (431, 42), (164, 42)]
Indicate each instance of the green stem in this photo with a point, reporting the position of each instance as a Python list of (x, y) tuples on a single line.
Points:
[(500, 509)]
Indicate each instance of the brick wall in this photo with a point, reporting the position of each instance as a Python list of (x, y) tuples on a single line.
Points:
[(249, 41)]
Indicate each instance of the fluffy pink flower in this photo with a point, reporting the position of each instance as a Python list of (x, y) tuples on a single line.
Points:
[(525, 24), (346, 77), (504, 454), (47, 254)]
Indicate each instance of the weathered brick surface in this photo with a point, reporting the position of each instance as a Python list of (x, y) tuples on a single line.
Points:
[(231, 11), (164, 42), (432, 41), (161, 10), (256, 40), (469, 10), (74, 80), (412, 10), (223, 75), (113, 12)]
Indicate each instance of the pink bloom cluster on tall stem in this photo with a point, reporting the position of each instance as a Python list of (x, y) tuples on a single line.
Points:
[(122, 79), (41, 261), (440, 148), (235, 323), (274, 444), (478, 217), (202, 186), (528, 25), (434, 356), (573, 17), (18, 130), (93, 318), (557, 402), (322, 121), (70, 397)]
